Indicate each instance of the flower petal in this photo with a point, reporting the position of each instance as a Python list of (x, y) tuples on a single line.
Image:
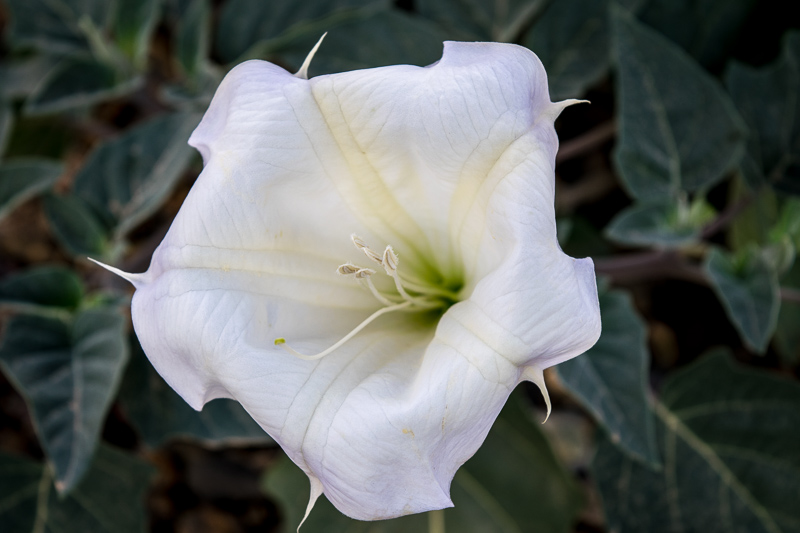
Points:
[(452, 165)]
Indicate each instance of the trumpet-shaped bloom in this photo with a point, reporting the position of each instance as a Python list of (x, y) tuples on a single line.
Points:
[(368, 263)]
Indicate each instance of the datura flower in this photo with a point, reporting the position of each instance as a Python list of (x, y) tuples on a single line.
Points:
[(368, 263)]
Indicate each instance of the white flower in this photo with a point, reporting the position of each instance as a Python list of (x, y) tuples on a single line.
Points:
[(451, 290)]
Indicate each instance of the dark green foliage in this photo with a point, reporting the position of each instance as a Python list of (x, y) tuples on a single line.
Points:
[(395, 38), (57, 26), (123, 182), (706, 29), (126, 179), (748, 289), (133, 24), (678, 130), (767, 98), (729, 437), (110, 499), (46, 286), (75, 83), (23, 179), (611, 379), (572, 38), (193, 25), (494, 20), (246, 23), (666, 225), (68, 371), (6, 120), (75, 226)]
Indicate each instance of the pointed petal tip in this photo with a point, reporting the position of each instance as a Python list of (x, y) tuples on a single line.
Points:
[(316, 492), (556, 108), (137, 280), (536, 375), (303, 72)]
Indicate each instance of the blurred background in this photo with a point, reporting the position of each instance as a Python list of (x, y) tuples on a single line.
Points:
[(680, 180)]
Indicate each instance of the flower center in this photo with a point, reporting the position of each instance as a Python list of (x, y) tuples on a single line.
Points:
[(412, 294)]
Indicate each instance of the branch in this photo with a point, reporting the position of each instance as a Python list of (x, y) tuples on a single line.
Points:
[(649, 266), (590, 188), (662, 264), (727, 216), (790, 295), (586, 142)]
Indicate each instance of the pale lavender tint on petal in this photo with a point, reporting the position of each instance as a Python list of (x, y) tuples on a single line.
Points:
[(453, 166)]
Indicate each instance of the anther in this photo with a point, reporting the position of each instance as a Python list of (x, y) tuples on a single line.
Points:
[(390, 261), (348, 269), (362, 245), (364, 273)]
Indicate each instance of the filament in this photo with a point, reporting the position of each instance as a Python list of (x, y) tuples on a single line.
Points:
[(382, 311)]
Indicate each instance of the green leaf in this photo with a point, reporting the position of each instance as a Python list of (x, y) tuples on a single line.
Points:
[(514, 483), (584, 240), (394, 37), (787, 334), (6, 122), (39, 137), (655, 225), (75, 226), (77, 83), (244, 23), (48, 286), (514, 479), (192, 35), (748, 290), (160, 414), (24, 179), (496, 20), (56, 26), (678, 130), (133, 26), (729, 438), (125, 180), (68, 372), (753, 224), (110, 499), (610, 380), (768, 99), (22, 76), (572, 39), (706, 29)]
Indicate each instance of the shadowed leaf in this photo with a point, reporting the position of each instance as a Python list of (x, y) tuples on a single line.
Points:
[(68, 372), (729, 437)]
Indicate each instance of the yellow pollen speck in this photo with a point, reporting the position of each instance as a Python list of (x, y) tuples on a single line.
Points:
[(279, 341), (407, 431)]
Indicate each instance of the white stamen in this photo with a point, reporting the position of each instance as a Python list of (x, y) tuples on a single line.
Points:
[(382, 311), (390, 261), (364, 273), (380, 297), (369, 252), (347, 269)]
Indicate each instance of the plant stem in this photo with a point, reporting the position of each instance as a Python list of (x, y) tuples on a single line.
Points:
[(436, 521), (727, 216), (587, 141)]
